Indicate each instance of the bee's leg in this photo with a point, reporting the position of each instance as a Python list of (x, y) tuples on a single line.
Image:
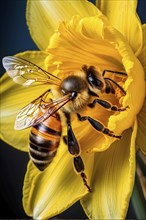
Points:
[(79, 167), (115, 72), (73, 145), (109, 88), (98, 126), (74, 150), (65, 139), (106, 105)]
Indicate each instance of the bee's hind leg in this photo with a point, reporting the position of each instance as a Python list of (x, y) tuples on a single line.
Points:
[(65, 139), (74, 150), (79, 167)]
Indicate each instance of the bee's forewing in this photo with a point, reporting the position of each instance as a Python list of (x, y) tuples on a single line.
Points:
[(38, 111), (26, 73)]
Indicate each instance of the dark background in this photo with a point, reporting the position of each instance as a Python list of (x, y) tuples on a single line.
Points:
[(14, 38)]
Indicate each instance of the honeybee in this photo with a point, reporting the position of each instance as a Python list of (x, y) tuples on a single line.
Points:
[(72, 94)]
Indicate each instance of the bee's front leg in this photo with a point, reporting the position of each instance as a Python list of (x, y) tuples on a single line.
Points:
[(106, 105), (98, 126)]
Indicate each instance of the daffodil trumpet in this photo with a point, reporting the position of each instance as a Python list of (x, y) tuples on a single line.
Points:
[(77, 90)]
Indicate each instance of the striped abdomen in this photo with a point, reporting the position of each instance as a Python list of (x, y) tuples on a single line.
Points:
[(44, 141)]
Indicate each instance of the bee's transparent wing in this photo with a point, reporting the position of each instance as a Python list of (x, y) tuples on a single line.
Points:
[(38, 111), (26, 73)]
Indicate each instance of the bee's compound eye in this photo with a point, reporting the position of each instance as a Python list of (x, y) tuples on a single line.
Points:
[(94, 81)]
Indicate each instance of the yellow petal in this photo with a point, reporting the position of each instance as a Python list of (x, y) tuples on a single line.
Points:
[(13, 98), (112, 179), (77, 43), (44, 16), (141, 134), (50, 192), (122, 15), (142, 55)]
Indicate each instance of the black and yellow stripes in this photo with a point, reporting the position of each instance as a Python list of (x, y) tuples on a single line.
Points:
[(44, 141)]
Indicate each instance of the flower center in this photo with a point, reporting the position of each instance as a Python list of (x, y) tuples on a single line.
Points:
[(106, 66)]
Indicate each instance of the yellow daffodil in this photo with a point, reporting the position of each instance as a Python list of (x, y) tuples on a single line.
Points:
[(71, 34)]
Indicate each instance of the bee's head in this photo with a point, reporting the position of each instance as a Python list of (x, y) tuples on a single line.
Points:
[(73, 84), (78, 88)]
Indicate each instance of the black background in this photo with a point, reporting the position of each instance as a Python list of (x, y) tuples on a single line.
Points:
[(14, 38)]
